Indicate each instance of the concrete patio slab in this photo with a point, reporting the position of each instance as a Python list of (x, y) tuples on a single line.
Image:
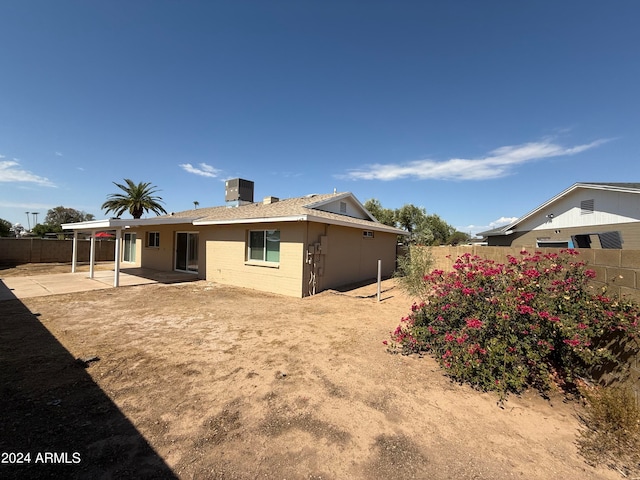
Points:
[(55, 284)]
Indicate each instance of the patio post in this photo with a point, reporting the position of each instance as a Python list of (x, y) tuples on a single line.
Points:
[(92, 255), (74, 255), (116, 276)]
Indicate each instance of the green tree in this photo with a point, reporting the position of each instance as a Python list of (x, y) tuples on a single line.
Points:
[(5, 228), (458, 237), (385, 216), (415, 221), (136, 199), (59, 215), (41, 229), (440, 229)]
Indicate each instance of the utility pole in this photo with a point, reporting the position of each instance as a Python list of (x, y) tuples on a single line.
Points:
[(28, 221)]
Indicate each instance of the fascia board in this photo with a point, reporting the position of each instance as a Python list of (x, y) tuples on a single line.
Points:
[(90, 225), (239, 221), (345, 223), (111, 223), (302, 218)]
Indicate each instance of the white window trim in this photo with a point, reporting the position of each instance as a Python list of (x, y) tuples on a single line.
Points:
[(261, 263), (157, 236)]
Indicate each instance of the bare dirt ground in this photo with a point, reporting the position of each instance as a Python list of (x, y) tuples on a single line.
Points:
[(204, 381)]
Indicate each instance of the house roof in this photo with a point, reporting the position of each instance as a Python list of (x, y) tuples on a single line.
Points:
[(613, 187), (307, 208)]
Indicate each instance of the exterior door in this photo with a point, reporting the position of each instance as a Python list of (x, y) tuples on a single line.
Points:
[(129, 251), (187, 251)]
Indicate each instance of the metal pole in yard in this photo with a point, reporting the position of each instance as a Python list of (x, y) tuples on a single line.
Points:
[(379, 277), (74, 255)]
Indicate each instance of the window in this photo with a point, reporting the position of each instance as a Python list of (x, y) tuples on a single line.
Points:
[(586, 207), (367, 234), (343, 207), (264, 245), (153, 239)]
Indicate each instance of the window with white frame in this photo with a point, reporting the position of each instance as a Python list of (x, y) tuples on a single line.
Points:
[(264, 246), (367, 234), (153, 239)]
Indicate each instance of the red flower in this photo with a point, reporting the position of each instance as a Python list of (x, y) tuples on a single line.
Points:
[(474, 323), (525, 309), (574, 342)]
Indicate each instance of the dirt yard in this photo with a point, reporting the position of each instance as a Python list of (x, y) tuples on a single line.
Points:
[(203, 381)]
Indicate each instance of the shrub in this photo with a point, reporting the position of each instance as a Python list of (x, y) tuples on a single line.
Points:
[(525, 323), (411, 270), (612, 429)]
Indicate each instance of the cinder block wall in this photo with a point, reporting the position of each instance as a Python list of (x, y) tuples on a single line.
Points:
[(618, 269), (16, 251)]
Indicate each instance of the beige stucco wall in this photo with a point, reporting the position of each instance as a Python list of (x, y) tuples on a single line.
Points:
[(163, 257), (352, 258), (349, 257), (226, 258)]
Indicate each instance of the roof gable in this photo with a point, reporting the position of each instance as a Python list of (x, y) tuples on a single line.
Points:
[(629, 188), (343, 204)]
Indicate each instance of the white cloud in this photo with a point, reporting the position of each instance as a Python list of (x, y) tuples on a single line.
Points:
[(58, 154), (10, 171), (203, 170), (502, 221), (497, 163), (25, 205), (475, 229)]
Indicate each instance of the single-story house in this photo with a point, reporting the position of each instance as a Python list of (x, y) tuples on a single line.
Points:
[(296, 246), (585, 215)]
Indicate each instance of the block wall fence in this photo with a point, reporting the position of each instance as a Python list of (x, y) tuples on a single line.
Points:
[(619, 270), (16, 251)]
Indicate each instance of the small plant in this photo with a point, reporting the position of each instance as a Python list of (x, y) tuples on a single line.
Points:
[(611, 433), (534, 321), (412, 267)]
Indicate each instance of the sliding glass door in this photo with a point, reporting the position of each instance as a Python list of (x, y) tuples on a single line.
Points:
[(129, 250), (187, 251)]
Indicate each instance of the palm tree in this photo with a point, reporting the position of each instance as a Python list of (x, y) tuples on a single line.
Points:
[(196, 203), (136, 200)]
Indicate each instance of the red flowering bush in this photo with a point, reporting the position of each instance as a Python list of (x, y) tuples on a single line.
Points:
[(506, 327)]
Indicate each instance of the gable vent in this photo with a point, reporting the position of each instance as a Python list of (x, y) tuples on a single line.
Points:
[(586, 207)]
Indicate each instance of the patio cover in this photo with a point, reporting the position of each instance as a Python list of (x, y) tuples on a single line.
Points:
[(118, 225)]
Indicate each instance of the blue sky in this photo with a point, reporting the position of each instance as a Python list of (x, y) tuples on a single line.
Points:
[(476, 111)]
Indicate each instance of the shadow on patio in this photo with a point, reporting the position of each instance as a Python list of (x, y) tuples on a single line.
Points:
[(50, 403)]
